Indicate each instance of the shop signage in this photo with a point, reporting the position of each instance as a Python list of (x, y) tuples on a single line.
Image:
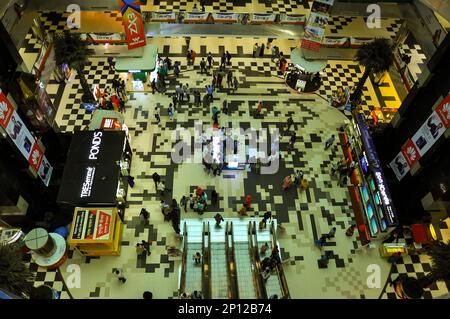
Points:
[(132, 21), (263, 18), (95, 145), (443, 111), (292, 19), (385, 197), (45, 171), (6, 110), (428, 133), (86, 188), (411, 153), (196, 17), (226, 17), (358, 42), (109, 123), (316, 25), (335, 42), (106, 37), (36, 156), (399, 165), (368, 143), (92, 224), (163, 17)]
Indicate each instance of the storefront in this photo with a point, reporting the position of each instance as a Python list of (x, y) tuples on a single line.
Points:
[(374, 211), (97, 169), (138, 72)]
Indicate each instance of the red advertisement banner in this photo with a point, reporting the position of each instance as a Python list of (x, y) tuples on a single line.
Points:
[(36, 156), (132, 21), (6, 110), (443, 111), (311, 45), (410, 152)]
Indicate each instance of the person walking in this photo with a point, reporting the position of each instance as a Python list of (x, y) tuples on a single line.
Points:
[(214, 196), (259, 109), (331, 233), (228, 58), (230, 79), (197, 257), (144, 216), (289, 123), (140, 250), (292, 140), (193, 56), (170, 111), (118, 273), (263, 249), (111, 62), (156, 178), (210, 60), (329, 142), (146, 245), (321, 241), (153, 85), (203, 66), (183, 202), (187, 91), (197, 98), (174, 100), (209, 92), (176, 68), (248, 201), (261, 50), (218, 219), (187, 40), (349, 232), (158, 119), (298, 177), (191, 202), (267, 216), (255, 49), (236, 84), (202, 3), (225, 107), (287, 182), (223, 60)]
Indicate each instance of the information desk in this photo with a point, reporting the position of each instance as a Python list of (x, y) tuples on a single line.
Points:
[(96, 231)]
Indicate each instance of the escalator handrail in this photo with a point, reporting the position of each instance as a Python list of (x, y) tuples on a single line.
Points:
[(258, 263), (233, 254), (207, 277), (255, 273), (184, 261), (280, 271)]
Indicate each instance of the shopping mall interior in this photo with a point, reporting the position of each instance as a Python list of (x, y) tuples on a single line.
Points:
[(244, 149)]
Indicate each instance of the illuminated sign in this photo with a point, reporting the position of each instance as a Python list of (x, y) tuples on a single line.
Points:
[(86, 188), (95, 147), (385, 197)]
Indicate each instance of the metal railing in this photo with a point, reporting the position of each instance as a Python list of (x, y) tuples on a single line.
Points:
[(259, 279), (206, 267), (183, 262), (280, 271), (259, 289)]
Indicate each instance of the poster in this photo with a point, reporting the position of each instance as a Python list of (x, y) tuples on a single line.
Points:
[(201, 17), (163, 17), (312, 38), (226, 17), (132, 21), (36, 156), (318, 20), (292, 19), (428, 133), (399, 166), (410, 152), (443, 111), (92, 224), (6, 110), (263, 18), (335, 42), (20, 135), (322, 6), (45, 171)]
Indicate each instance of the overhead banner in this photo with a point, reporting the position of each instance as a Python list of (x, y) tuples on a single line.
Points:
[(226, 17), (335, 42), (399, 165), (312, 38), (292, 18), (132, 21), (316, 25), (23, 139), (194, 17), (163, 17), (105, 37), (261, 18), (415, 148), (358, 42)]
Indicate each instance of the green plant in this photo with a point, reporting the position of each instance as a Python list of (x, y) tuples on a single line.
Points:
[(376, 57), (72, 50), (15, 276), (440, 264)]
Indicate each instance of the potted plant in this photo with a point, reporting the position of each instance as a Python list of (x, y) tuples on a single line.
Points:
[(73, 51), (376, 57)]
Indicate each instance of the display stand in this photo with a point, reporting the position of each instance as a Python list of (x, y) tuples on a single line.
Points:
[(388, 249), (96, 231), (47, 250)]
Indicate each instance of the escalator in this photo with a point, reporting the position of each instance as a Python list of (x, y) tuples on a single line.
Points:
[(192, 273), (219, 283)]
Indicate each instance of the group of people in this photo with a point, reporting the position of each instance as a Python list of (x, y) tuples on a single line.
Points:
[(295, 179), (113, 99), (345, 168), (172, 213), (269, 264)]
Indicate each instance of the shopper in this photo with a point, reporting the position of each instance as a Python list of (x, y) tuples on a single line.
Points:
[(349, 232), (223, 60), (156, 178), (298, 177), (118, 273), (209, 92), (130, 181), (218, 219), (191, 202), (261, 50), (248, 201), (236, 84), (176, 68), (170, 111), (255, 50), (263, 249), (259, 109), (394, 258), (197, 295), (262, 224), (230, 79), (287, 183), (321, 241), (197, 257), (266, 274), (228, 58), (174, 100), (111, 62), (183, 202), (289, 123), (292, 140), (203, 66), (197, 98), (158, 119), (210, 60), (144, 216), (187, 91), (146, 245), (214, 196), (329, 141), (267, 216), (140, 250), (331, 233), (193, 56)]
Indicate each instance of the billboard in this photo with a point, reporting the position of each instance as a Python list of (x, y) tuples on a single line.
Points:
[(132, 21)]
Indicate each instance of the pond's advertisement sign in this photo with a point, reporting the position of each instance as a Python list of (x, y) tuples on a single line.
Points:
[(292, 18), (163, 17), (263, 18), (132, 21), (226, 17)]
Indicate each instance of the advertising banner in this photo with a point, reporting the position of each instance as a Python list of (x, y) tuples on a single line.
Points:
[(263, 18), (335, 42), (132, 21), (6, 110), (322, 6), (399, 165), (292, 18), (36, 156), (410, 152), (20, 135), (198, 17), (428, 133), (312, 38), (92, 224), (163, 17), (358, 42), (106, 37), (45, 171), (443, 111), (226, 17), (318, 20)]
